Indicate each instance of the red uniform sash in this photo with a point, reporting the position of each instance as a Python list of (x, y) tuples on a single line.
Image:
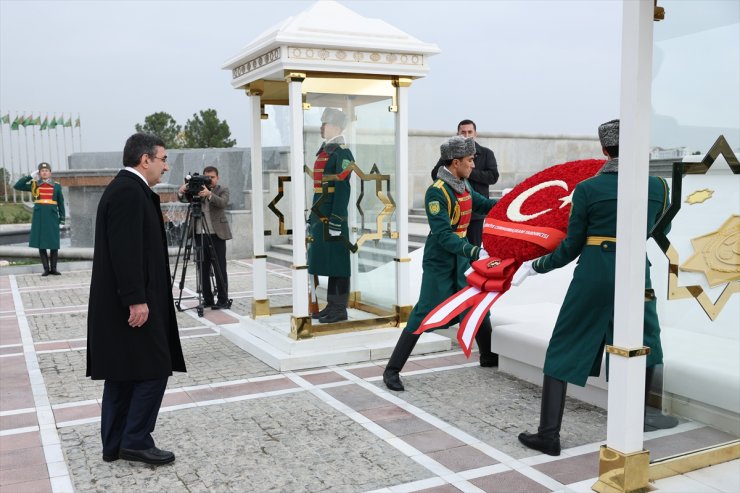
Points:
[(318, 168), (465, 203), (44, 192)]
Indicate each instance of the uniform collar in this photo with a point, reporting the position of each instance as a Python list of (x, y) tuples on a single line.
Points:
[(456, 184), (611, 166)]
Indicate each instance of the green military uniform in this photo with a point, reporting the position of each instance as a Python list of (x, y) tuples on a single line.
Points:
[(585, 322), (328, 255), (48, 211), (447, 255)]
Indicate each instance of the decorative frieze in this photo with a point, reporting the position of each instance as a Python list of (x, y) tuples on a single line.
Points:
[(339, 55), (255, 63)]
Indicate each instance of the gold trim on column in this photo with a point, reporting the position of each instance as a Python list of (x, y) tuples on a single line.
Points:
[(300, 327), (298, 267), (622, 473), (627, 352), (260, 308), (257, 257), (295, 77), (405, 259), (402, 312), (355, 298), (353, 325), (696, 460), (404, 81), (658, 12)]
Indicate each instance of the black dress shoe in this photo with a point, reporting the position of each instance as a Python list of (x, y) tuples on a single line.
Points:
[(489, 360), (549, 446), (149, 456), (221, 305), (334, 316), (110, 458), (55, 272), (392, 380), (320, 313)]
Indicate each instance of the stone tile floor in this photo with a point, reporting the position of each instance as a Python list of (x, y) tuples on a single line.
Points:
[(236, 424)]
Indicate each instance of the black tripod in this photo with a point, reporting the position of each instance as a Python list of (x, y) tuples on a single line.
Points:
[(191, 237)]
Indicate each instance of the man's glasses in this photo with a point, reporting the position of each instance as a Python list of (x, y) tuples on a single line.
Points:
[(164, 158)]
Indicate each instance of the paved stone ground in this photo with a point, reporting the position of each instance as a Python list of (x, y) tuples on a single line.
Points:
[(237, 425)]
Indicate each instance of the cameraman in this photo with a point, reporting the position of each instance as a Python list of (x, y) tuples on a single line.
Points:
[(214, 199)]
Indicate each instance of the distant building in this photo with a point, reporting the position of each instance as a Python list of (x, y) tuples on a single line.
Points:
[(659, 153)]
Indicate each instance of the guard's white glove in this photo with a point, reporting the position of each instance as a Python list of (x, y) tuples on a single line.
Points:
[(482, 253), (524, 271), (35, 175), (334, 232)]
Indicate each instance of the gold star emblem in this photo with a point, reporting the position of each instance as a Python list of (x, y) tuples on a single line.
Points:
[(699, 196), (717, 254)]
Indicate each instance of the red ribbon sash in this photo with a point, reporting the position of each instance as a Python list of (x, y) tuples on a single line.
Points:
[(546, 237)]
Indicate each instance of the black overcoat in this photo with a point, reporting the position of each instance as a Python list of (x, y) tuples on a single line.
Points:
[(131, 266)]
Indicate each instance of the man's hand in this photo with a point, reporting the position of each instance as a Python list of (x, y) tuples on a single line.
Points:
[(524, 271), (205, 193), (482, 253), (138, 314), (35, 175), (182, 189), (333, 232)]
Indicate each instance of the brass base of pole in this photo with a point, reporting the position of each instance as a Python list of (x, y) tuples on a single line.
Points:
[(622, 473), (260, 308)]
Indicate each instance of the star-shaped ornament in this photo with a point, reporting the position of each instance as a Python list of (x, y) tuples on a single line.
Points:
[(717, 254)]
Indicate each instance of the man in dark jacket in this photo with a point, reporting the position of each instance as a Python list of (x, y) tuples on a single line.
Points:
[(132, 338), (484, 174)]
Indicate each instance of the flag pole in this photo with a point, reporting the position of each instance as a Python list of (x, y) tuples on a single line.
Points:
[(56, 139), (64, 142), (79, 130), (18, 145), (5, 167)]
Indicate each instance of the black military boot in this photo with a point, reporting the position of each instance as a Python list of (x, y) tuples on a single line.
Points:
[(44, 262), (654, 418), (53, 263), (337, 296), (400, 355), (488, 358), (547, 438)]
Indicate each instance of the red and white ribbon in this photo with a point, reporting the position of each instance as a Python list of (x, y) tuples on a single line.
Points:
[(490, 278)]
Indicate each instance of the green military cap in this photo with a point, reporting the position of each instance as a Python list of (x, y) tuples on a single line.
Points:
[(44, 166)]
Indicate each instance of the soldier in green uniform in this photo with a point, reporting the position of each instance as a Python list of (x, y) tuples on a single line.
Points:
[(328, 254), (450, 203), (585, 321), (48, 215)]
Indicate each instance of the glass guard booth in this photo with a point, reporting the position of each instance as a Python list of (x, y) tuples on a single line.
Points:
[(338, 211), (695, 144)]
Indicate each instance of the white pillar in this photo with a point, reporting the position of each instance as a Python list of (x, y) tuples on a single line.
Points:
[(297, 205), (403, 290), (627, 375), (259, 263)]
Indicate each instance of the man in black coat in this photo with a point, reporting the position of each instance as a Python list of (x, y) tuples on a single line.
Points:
[(484, 174), (132, 337)]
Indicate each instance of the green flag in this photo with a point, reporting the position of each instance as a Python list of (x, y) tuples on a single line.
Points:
[(37, 121), (68, 123), (27, 120), (6, 118), (14, 125), (53, 123), (45, 123), (77, 122)]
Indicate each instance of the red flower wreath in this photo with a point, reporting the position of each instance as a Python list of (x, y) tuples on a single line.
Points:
[(528, 222)]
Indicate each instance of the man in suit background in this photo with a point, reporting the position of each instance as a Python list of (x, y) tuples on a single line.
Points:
[(132, 337), (215, 200)]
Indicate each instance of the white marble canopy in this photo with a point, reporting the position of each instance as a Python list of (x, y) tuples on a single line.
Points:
[(329, 37)]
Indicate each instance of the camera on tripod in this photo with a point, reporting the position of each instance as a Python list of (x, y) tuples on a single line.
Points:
[(195, 184)]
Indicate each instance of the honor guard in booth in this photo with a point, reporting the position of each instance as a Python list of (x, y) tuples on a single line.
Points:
[(48, 215), (328, 255)]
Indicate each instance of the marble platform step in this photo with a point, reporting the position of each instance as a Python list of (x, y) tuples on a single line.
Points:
[(268, 338)]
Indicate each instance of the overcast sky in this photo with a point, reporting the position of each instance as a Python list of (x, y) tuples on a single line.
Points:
[(546, 67)]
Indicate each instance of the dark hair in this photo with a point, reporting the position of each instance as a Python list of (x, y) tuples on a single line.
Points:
[(467, 122), (139, 144), (210, 169), (613, 151), (448, 162)]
